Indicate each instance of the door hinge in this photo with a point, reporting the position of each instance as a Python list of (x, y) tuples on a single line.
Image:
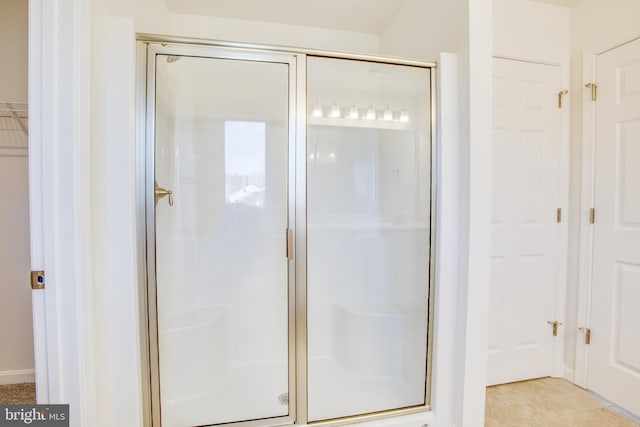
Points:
[(587, 335), (561, 94), (592, 216), (37, 279), (559, 215), (289, 243), (555, 325), (594, 90)]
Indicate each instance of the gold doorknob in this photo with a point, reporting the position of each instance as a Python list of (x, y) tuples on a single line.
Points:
[(162, 192)]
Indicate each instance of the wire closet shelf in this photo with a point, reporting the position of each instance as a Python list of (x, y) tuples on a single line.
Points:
[(14, 125)]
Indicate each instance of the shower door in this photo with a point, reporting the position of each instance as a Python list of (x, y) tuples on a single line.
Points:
[(368, 236), (289, 217), (220, 308)]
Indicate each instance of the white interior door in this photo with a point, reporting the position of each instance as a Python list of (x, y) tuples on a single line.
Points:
[(524, 256), (614, 353)]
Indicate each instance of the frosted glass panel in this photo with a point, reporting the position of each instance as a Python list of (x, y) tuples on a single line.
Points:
[(368, 213), (221, 147)]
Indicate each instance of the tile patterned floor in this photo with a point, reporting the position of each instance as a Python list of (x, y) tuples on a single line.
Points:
[(550, 402), (18, 393)]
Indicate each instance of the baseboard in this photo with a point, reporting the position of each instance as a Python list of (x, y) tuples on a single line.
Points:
[(16, 377), (615, 407)]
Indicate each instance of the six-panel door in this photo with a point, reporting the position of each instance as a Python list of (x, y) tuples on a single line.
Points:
[(614, 352)]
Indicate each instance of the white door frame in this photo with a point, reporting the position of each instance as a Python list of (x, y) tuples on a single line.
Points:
[(558, 368), (59, 182), (586, 229), (587, 202)]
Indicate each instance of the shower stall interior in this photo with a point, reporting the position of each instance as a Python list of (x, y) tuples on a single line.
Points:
[(288, 200)]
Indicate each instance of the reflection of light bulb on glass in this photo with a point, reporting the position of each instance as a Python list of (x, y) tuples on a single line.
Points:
[(353, 113), (335, 111), (387, 116), (312, 156), (317, 110), (404, 116), (371, 113), (332, 155)]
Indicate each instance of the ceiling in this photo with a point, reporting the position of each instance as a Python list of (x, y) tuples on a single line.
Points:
[(368, 16)]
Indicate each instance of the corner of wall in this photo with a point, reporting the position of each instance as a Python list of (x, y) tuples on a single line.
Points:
[(422, 29), (447, 238), (529, 30)]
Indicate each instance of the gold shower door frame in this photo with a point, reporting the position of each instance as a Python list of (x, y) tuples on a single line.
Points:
[(148, 47)]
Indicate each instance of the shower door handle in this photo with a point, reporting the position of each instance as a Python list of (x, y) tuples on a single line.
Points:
[(162, 192), (289, 250)]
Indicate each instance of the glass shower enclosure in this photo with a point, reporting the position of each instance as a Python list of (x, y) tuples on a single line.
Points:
[(288, 206)]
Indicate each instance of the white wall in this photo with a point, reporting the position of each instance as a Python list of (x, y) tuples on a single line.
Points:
[(118, 388), (476, 142), (596, 26), (238, 30), (82, 231), (16, 334), (526, 29), (425, 28)]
